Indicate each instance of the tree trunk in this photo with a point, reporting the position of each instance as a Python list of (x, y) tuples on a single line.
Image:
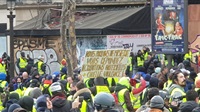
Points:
[(63, 33), (72, 35)]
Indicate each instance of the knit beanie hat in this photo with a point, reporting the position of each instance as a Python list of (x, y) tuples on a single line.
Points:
[(35, 93), (13, 107), (26, 102), (157, 102), (14, 96), (2, 76), (10, 102), (41, 101), (153, 82)]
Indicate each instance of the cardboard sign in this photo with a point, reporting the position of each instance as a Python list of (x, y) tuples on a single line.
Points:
[(105, 63)]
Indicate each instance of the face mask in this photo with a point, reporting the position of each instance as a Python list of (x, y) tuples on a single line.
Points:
[(3, 62)]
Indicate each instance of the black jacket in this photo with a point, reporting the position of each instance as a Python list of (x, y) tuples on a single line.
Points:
[(60, 104)]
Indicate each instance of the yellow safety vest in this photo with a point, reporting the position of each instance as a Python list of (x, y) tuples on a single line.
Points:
[(167, 85), (40, 68), (2, 68), (188, 56), (178, 90), (86, 80), (1, 106), (46, 86), (3, 83), (22, 62), (27, 91), (146, 55), (166, 61), (68, 87), (137, 103), (130, 63), (109, 79), (102, 89), (140, 62), (122, 100), (63, 77), (18, 91), (83, 106), (34, 109)]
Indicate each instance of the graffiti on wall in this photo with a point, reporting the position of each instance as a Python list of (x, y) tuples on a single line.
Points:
[(35, 47), (30, 43), (50, 59)]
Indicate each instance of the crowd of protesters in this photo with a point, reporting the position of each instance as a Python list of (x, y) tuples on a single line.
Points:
[(154, 87)]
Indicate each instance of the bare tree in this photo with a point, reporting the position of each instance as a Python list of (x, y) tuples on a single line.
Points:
[(68, 13)]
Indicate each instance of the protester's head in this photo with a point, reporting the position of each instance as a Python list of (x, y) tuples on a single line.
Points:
[(26, 102), (186, 63), (103, 101), (80, 85), (69, 80), (25, 75), (125, 82), (36, 75), (152, 92), (23, 54), (57, 89), (35, 93), (164, 70), (73, 88), (18, 80), (153, 82), (14, 96), (41, 104), (99, 81), (157, 102), (41, 58), (34, 83), (197, 82), (178, 78), (13, 107), (192, 95), (64, 62), (2, 76), (193, 75), (157, 70)]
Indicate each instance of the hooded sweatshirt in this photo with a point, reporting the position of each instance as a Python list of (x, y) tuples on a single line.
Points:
[(188, 106), (60, 104)]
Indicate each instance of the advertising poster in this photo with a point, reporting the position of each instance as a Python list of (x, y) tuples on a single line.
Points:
[(133, 42), (169, 26), (105, 63)]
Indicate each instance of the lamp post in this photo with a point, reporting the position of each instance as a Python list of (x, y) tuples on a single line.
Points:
[(10, 7)]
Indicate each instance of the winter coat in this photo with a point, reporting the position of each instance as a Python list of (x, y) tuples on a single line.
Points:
[(60, 104)]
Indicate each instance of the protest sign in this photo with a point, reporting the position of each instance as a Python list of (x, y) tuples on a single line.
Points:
[(105, 63)]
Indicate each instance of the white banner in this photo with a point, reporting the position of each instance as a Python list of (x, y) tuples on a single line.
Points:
[(105, 63), (134, 42)]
